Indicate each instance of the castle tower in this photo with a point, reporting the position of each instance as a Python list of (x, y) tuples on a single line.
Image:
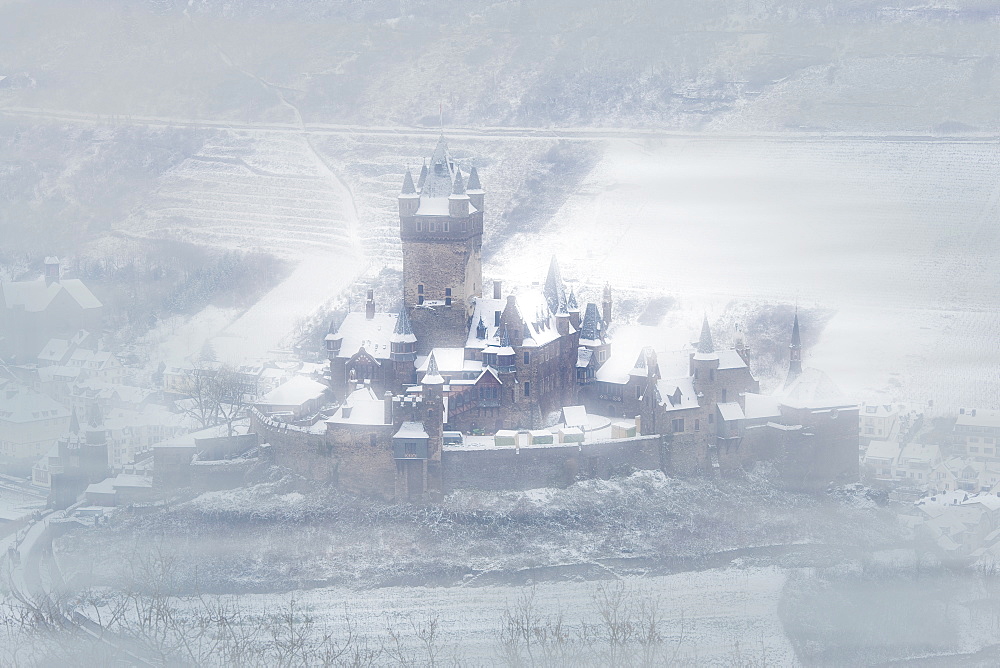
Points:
[(441, 229), (705, 363), (433, 422), (794, 352)]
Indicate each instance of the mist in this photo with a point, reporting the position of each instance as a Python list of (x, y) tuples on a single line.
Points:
[(504, 333)]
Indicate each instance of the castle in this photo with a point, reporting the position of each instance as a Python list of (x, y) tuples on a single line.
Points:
[(449, 359)]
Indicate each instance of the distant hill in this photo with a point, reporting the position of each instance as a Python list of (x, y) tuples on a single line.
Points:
[(746, 65)]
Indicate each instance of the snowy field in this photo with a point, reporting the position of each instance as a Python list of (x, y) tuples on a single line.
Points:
[(707, 617), (899, 237)]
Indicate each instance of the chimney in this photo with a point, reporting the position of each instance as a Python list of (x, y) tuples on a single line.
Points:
[(387, 419), (496, 289), (370, 305)]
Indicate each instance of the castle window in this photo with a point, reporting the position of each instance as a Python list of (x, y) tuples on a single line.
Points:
[(420, 226), (527, 357), (496, 318), (420, 289), (420, 299), (447, 301), (697, 425), (677, 425), (446, 226), (447, 292), (527, 388)]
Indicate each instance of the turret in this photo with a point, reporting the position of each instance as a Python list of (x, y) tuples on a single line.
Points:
[(555, 290), (458, 201), (704, 360), (409, 200), (573, 308), (475, 190), (52, 270)]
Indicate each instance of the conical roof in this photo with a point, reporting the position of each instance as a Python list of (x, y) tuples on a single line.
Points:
[(591, 327), (796, 341), (705, 343), (458, 186), (474, 180), (408, 187), (422, 177), (433, 375), (555, 290), (403, 331)]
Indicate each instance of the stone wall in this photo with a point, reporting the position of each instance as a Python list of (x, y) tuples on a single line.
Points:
[(556, 466)]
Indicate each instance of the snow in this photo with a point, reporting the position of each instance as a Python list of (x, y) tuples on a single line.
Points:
[(575, 416), (374, 334), (295, 392), (876, 229), (411, 430), (730, 411)]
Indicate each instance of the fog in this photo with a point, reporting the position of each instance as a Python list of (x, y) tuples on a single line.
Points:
[(222, 326)]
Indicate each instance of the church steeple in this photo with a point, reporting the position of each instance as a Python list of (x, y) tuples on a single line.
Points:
[(794, 352)]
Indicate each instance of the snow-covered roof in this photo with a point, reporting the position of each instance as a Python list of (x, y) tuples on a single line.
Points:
[(296, 391), (575, 416), (105, 486), (920, 453), (730, 359), (982, 418), (36, 295), (450, 361), (433, 206), (667, 388), (883, 450), (411, 430), (30, 406), (760, 407), (54, 351), (583, 357), (132, 481), (730, 411), (617, 367), (363, 408), (813, 389), (374, 335)]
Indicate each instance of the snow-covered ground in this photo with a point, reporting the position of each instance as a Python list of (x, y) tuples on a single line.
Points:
[(897, 236), (709, 617)]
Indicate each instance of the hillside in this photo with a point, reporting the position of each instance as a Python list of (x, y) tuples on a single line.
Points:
[(746, 65)]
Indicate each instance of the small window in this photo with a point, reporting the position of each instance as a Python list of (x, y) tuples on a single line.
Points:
[(697, 425), (496, 318), (527, 388), (446, 226), (420, 299), (420, 289), (409, 448), (420, 226), (527, 357), (447, 301), (447, 292), (677, 425), (434, 226)]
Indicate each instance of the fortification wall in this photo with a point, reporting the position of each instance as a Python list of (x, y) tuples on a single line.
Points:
[(556, 466)]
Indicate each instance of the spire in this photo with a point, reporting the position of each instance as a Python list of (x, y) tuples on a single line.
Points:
[(794, 352), (440, 154), (403, 326), (481, 329), (459, 187), (408, 188), (555, 291), (433, 376), (504, 338), (571, 304), (705, 344), (591, 327), (423, 176), (474, 180)]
